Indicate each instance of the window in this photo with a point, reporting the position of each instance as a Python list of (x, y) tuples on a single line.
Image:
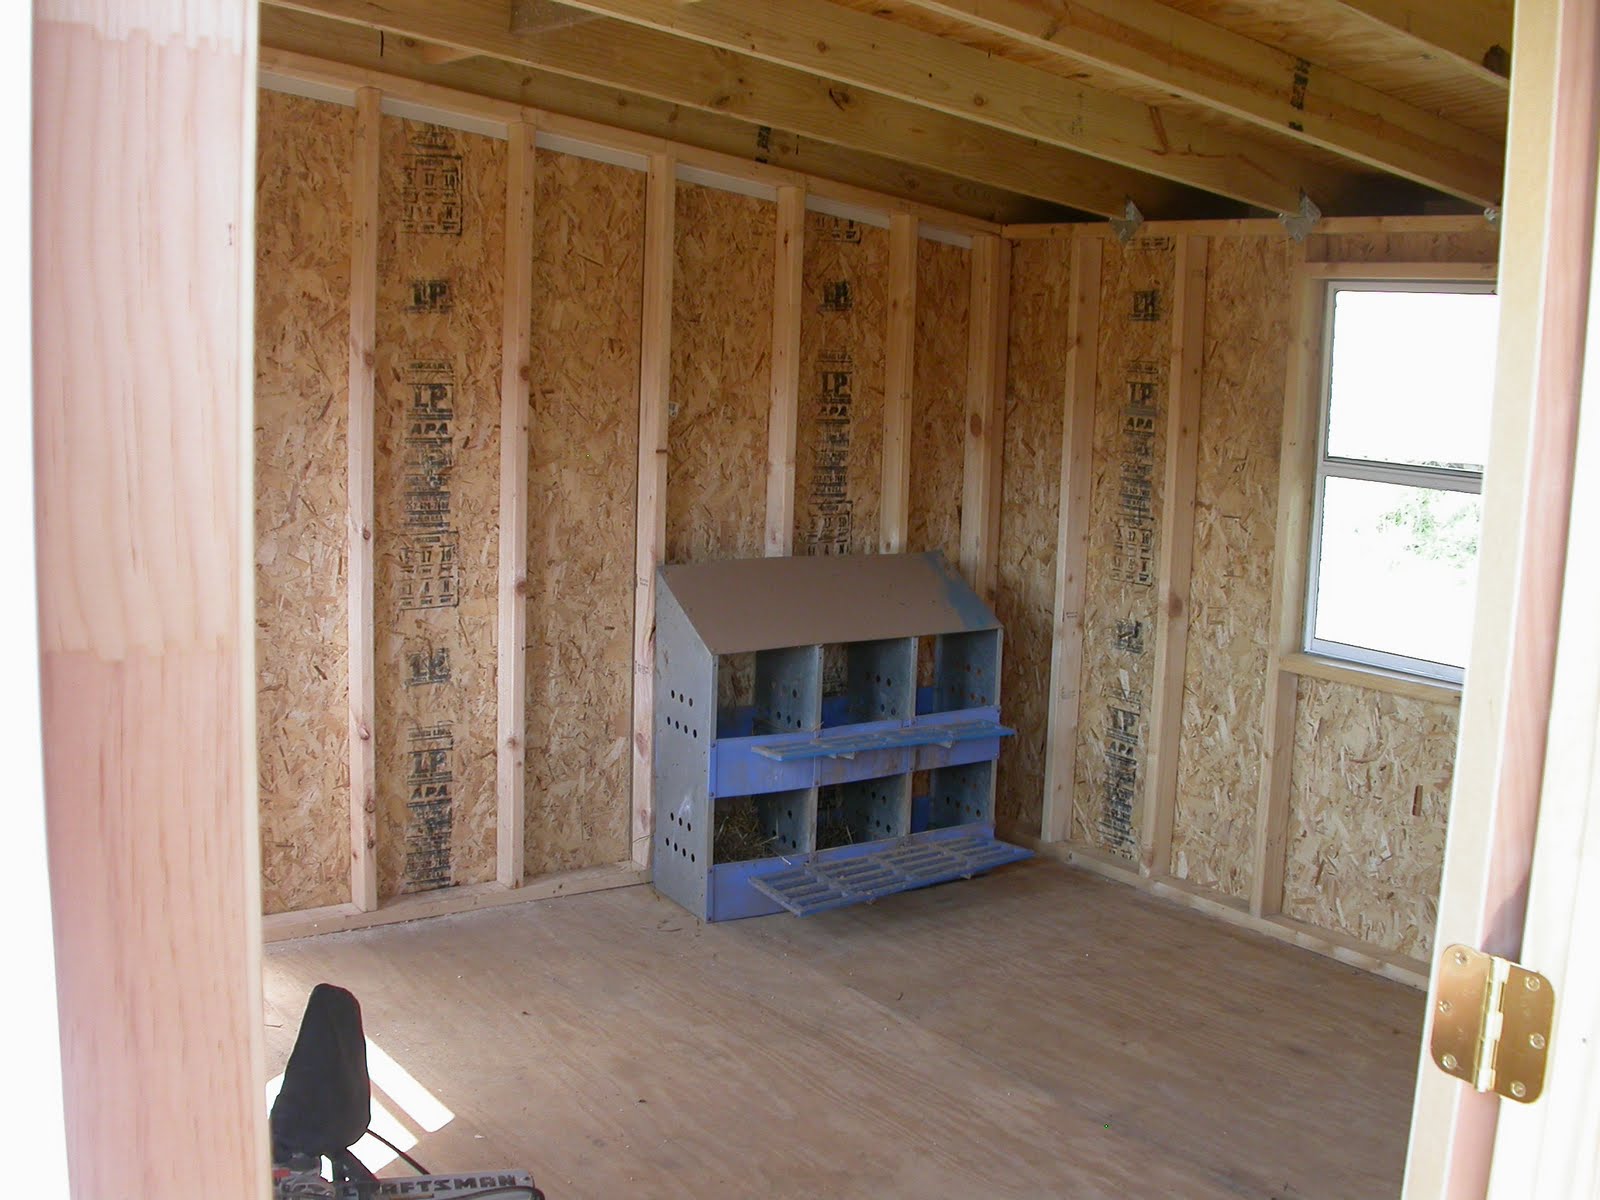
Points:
[(1407, 380)]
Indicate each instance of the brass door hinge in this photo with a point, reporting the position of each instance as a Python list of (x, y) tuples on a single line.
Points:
[(1491, 1023)]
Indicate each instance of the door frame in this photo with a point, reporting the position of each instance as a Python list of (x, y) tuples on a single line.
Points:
[(143, 248)]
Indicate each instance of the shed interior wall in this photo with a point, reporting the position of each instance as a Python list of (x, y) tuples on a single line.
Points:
[(939, 381), (839, 441), (1236, 500), (588, 276), (1364, 855), (441, 225), (721, 374), (302, 322), (938, 386), (1119, 612), (1029, 512)]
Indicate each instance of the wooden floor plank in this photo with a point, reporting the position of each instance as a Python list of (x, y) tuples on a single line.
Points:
[(1036, 1032)]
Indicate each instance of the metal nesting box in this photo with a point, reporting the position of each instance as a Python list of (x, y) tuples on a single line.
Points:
[(822, 728)]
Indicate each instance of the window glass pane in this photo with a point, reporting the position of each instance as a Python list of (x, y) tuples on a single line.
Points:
[(1398, 569), (1412, 376)]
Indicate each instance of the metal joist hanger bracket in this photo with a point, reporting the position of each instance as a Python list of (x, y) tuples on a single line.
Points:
[(1301, 222), (1128, 223)]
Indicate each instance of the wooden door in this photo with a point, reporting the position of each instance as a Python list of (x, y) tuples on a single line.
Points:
[(1552, 1148), (1527, 690)]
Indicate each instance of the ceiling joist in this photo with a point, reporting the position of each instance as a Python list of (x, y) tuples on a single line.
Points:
[(682, 71), (935, 73), (1474, 34), (992, 106), (307, 39), (541, 16), (1151, 44)]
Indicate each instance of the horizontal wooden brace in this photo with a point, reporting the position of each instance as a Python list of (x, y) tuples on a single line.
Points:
[(1257, 227)]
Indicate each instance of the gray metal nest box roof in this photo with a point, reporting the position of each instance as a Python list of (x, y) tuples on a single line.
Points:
[(742, 605)]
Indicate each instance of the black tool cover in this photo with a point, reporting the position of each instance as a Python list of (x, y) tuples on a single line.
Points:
[(326, 1102)]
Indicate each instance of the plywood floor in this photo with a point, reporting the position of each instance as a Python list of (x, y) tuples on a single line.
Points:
[(1035, 1033)]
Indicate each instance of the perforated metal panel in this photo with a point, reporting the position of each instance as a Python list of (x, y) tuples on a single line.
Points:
[(683, 733), (961, 795), (819, 885), (882, 680), (966, 670), (846, 742)]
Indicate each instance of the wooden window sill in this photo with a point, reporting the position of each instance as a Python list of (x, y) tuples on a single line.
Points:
[(1377, 679)]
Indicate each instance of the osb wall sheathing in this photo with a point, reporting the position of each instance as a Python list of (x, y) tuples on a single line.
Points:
[(440, 258), (1030, 492), (721, 374), (1124, 524), (1236, 499), (938, 410), (1369, 798), (839, 432), (722, 289), (302, 336), (939, 391), (582, 446)]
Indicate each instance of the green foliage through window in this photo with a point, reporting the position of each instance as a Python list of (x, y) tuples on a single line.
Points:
[(1437, 526)]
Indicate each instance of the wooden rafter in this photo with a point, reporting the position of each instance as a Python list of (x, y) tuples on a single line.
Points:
[(437, 55), (541, 16), (944, 76), (303, 37), (1152, 44), (639, 60), (1476, 34)]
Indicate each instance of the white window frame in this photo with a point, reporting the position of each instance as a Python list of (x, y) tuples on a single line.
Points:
[(1376, 470)]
